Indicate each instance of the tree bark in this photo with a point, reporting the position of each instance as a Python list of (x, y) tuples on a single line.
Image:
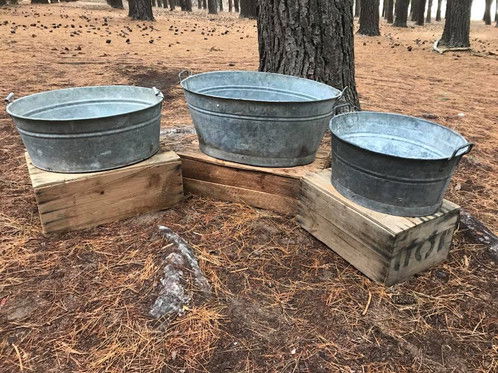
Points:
[(39, 1), (204, 4), (438, 11), (212, 6), (230, 5), (172, 4), (3, 2), (140, 10), (420, 12), (369, 18), (311, 39), (384, 3), (428, 18), (199, 4), (220, 5), (236, 5), (389, 11), (401, 13), (487, 12), (457, 26), (249, 8)]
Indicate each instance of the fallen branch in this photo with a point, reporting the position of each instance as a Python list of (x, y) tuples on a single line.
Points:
[(436, 47), (180, 267), (480, 232)]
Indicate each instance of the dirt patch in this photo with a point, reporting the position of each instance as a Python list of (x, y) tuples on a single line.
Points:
[(162, 79)]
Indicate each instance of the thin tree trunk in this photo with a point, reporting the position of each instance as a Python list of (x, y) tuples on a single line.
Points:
[(249, 8), (212, 6), (220, 7), (401, 15), (172, 4), (457, 26), (188, 5), (141, 10), (384, 3), (428, 18), (204, 4), (318, 46), (487, 12), (116, 4), (199, 4), (369, 18), (357, 8), (420, 12), (230, 5), (39, 1), (413, 10), (236, 6), (390, 11), (438, 11)]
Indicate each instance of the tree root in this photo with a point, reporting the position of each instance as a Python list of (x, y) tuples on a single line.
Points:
[(442, 50)]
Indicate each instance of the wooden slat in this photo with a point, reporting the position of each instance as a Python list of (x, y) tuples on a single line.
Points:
[(241, 178), (279, 203), (76, 201)]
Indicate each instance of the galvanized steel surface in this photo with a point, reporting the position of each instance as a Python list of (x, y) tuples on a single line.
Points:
[(260, 119), (394, 163), (88, 129)]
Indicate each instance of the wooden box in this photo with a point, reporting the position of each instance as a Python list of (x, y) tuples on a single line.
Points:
[(74, 201), (386, 248), (275, 189)]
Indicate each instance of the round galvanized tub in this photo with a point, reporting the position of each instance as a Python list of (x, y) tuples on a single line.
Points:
[(395, 164), (260, 119), (89, 129)]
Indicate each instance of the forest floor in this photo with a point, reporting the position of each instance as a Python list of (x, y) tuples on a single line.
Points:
[(283, 302)]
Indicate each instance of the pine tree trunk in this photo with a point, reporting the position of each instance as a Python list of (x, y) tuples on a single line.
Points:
[(318, 46), (249, 8), (116, 4), (420, 12), (487, 12), (172, 4), (401, 16), (230, 5), (457, 26), (413, 10), (3, 2), (236, 6), (357, 6), (140, 10), (199, 4), (212, 6), (369, 18), (188, 5), (438, 11), (428, 18), (204, 4), (220, 5), (39, 1), (390, 11), (384, 3)]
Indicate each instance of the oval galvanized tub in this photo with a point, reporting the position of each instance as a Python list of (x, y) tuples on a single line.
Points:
[(89, 129), (260, 119), (392, 163)]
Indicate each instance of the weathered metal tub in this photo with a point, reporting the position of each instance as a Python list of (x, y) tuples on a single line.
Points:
[(89, 129), (392, 163), (260, 119)]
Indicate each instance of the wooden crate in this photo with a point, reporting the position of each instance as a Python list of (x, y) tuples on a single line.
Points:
[(74, 201), (274, 189), (386, 248)]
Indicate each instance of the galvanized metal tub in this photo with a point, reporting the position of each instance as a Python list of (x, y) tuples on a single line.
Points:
[(392, 163), (89, 129), (260, 119)]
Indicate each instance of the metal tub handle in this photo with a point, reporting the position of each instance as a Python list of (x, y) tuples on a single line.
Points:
[(9, 98), (469, 147), (349, 105), (184, 74), (157, 92)]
